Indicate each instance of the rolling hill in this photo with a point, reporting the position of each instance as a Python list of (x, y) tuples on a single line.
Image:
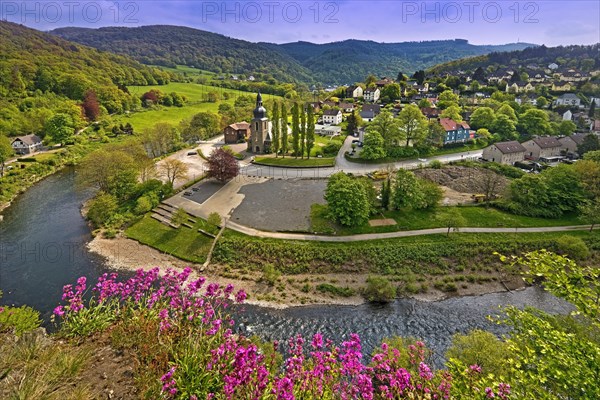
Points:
[(338, 62)]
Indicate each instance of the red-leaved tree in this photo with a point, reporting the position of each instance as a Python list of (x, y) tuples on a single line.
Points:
[(222, 165), (91, 106)]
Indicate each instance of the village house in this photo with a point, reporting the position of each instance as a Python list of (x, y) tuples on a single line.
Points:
[(237, 133), (456, 132), (26, 144), (547, 146), (562, 87), (568, 99), (372, 94), (595, 126), (369, 112), (571, 143), (346, 107), (354, 92), (431, 113), (383, 82), (567, 116), (519, 87), (505, 152), (328, 130), (332, 117)]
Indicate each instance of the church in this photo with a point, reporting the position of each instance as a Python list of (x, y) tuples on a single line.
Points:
[(260, 129)]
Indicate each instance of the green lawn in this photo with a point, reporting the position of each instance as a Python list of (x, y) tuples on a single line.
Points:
[(408, 219), (295, 162), (195, 93), (184, 243)]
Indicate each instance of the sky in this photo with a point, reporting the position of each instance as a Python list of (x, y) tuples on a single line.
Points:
[(549, 22)]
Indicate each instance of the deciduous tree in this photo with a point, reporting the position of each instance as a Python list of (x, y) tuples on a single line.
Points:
[(373, 146), (347, 201), (412, 125), (172, 169), (60, 128), (222, 165), (310, 131), (6, 151), (91, 106)]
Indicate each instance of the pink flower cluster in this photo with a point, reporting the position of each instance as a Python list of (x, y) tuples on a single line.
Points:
[(232, 367)]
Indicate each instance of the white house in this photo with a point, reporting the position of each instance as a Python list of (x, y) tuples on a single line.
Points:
[(553, 66), (26, 144), (567, 116), (332, 117), (328, 130), (354, 92), (568, 99), (505, 152), (371, 94)]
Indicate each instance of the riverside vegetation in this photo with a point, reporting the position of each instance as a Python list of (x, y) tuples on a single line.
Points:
[(182, 343)]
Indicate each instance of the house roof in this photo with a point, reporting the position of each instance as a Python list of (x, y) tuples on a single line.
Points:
[(240, 125), (510, 147), (430, 111), (346, 105), (29, 140), (371, 90), (450, 125), (331, 112), (578, 137), (547, 142), (569, 96), (376, 108)]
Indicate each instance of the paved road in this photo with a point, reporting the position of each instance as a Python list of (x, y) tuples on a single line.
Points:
[(389, 235), (347, 166)]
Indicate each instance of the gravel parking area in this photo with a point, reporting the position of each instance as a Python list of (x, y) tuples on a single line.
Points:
[(279, 205)]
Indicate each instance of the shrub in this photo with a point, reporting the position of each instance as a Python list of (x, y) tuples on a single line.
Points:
[(335, 290), (379, 289), (214, 219), (435, 164), (18, 319), (270, 274), (573, 247), (331, 148)]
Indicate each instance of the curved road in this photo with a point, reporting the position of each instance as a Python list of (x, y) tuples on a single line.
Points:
[(341, 164)]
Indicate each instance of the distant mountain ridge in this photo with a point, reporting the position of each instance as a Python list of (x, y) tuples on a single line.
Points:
[(337, 62)]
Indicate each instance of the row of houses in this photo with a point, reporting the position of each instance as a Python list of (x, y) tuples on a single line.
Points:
[(534, 149)]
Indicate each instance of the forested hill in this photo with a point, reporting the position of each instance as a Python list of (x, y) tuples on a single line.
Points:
[(171, 45), (580, 57), (351, 60), (41, 74), (339, 62)]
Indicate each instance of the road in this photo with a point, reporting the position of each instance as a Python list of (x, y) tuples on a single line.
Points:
[(342, 164)]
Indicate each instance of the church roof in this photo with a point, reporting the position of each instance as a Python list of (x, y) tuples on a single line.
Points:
[(259, 111)]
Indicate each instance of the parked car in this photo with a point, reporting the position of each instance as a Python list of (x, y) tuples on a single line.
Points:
[(188, 193), (195, 189), (192, 153)]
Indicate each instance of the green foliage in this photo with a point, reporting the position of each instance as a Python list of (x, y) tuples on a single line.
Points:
[(480, 348), (379, 289), (60, 128), (102, 208), (572, 247), (347, 200), (430, 194), (406, 191), (202, 126), (413, 126), (18, 319), (6, 152), (482, 117), (452, 220), (373, 146), (335, 290), (142, 205), (435, 164), (179, 217), (270, 274), (214, 219)]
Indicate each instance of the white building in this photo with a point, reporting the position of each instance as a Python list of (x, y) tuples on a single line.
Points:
[(26, 144), (328, 130), (372, 94), (332, 117)]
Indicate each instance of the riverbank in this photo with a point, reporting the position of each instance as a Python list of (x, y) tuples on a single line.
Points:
[(288, 290)]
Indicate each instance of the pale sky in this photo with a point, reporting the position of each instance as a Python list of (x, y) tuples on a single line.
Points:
[(549, 22)]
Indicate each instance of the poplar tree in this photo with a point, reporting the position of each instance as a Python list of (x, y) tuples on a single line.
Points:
[(276, 129), (284, 130), (295, 130), (310, 131), (302, 131)]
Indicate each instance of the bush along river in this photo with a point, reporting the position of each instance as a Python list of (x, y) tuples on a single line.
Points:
[(43, 241)]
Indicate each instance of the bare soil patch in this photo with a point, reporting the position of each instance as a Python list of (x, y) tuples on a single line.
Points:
[(462, 179), (382, 222)]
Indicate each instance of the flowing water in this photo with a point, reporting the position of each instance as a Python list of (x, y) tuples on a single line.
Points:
[(43, 247)]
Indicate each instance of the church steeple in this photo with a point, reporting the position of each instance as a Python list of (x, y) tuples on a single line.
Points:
[(259, 111)]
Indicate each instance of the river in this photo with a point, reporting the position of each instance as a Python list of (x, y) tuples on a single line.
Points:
[(43, 247)]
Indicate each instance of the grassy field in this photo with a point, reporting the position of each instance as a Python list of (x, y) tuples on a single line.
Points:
[(408, 219), (184, 243), (295, 162), (195, 94)]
